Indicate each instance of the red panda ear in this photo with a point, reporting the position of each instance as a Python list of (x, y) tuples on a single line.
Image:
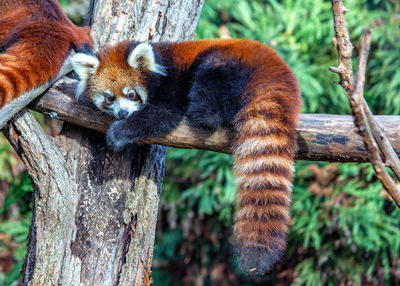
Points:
[(142, 57), (85, 66)]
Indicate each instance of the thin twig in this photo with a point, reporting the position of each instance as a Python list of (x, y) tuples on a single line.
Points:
[(360, 110), (391, 158), (375, 141)]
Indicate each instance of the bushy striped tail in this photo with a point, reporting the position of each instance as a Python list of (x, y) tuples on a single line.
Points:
[(37, 56), (14, 78), (24, 67), (264, 166)]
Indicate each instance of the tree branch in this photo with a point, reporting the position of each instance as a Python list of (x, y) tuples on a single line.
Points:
[(53, 187), (375, 140), (321, 137)]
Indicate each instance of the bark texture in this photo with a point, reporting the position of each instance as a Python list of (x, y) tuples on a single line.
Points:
[(95, 210), (321, 137)]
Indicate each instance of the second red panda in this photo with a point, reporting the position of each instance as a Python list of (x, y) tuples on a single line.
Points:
[(236, 83), (35, 39)]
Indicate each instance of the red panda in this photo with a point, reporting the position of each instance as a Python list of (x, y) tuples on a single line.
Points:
[(242, 84), (35, 39)]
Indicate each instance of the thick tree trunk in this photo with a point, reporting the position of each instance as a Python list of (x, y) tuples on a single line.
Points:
[(95, 210)]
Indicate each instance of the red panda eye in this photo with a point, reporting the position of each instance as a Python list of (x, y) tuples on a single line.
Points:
[(132, 95), (109, 100)]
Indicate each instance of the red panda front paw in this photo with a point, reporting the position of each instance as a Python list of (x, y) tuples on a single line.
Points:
[(115, 138)]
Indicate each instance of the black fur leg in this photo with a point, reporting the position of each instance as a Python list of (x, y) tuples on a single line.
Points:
[(151, 121), (116, 139), (203, 115), (217, 87), (205, 110)]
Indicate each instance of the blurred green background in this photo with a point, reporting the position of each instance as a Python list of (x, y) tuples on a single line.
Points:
[(345, 229)]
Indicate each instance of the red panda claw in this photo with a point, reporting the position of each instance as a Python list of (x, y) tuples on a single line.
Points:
[(113, 141)]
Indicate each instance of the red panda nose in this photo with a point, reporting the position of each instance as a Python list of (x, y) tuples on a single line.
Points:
[(122, 114)]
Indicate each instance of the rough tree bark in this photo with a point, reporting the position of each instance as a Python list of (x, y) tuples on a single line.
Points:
[(320, 137), (95, 210)]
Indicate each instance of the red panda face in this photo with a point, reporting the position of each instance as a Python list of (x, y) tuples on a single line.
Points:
[(117, 90), (116, 82)]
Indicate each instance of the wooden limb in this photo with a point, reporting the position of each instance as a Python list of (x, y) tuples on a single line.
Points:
[(389, 150), (55, 200), (374, 139), (365, 127), (343, 46), (391, 159), (321, 137)]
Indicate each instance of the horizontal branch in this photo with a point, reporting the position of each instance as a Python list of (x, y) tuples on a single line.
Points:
[(321, 137)]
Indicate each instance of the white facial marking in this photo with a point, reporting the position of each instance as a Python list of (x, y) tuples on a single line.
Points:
[(109, 92), (124, 104), (126, 90), (85, 66), (142, 93), (98, 100), (118, 105)]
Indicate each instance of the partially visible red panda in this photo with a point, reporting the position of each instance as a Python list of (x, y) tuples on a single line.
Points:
[(35, 39), (243, 84)]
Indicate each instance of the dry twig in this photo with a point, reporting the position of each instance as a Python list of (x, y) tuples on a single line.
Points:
[(374, 139)]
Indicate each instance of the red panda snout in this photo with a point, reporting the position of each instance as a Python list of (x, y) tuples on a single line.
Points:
[(120, 107)]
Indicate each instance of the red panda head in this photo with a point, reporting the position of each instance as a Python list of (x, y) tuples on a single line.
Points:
[(116, 77)]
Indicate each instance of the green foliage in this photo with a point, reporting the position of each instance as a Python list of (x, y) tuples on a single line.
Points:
[(208, 183), (343, 229), (14, 225), (6, 160), (348, 222), (76, 10), (16, 230), (18, 190), (15, 216), (384, 75)]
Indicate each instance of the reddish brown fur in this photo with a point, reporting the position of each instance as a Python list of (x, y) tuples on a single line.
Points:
[(264, 209), (35, 37), (266, 136), (114, 72), (265, 169)]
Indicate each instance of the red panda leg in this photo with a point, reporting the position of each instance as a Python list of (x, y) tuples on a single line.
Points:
[(216, 91)]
